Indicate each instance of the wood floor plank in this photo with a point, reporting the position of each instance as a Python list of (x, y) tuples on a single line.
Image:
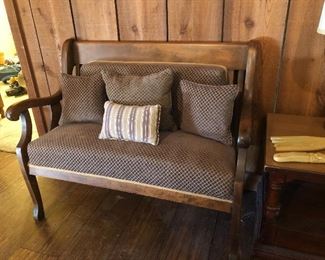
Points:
[(64, 237), (16, 206), (20, 216), (8, 175), (56, 216), (23, 253), (99, 235), (190, 222), (219, 245), (151, 219)]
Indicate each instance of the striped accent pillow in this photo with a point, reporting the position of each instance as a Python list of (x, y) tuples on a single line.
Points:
[(131, 123)]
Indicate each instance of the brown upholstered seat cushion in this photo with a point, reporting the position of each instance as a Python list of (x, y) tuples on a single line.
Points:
[(83, 98), (199, 73), (207, 110), (181, 161)]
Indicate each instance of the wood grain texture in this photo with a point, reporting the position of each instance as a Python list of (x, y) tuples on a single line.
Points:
[(302, 89), (53, 23), (195, 20), (95, 21), (232, 55), (25, 37), (142, 20), (28, 30), (264, 21), (26, 254), (141, 189)]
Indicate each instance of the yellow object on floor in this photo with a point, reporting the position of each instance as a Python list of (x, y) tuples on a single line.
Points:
[(12, 80)]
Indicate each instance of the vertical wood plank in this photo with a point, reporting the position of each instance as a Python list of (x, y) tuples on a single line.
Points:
[(32, 49), (302, 88), (195, 20), (95, 21), (264, 21), (27, 46), (142, 20), (54, 25)]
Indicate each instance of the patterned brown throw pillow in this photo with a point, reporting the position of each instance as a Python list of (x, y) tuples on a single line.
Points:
[(83, 98), (207, 110), (143, 90)]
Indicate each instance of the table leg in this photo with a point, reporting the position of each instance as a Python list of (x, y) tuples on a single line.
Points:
[(273, 204)]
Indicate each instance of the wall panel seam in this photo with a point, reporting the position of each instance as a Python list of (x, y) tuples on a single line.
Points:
[(167, 25), (117, 21), (73, 20), (223, 20), (39, 46), (279, 70)]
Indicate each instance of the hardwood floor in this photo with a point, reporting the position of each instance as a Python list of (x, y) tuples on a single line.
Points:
[(84, 222)]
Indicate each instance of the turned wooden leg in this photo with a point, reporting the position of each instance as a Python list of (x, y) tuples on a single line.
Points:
[(274, 189), (272, 207), (32, 185), (22, 156)]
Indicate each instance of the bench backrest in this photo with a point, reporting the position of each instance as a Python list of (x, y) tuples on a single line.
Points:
[(239, 58)]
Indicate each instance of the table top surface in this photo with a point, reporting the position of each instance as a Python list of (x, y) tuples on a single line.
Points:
[(291, 125)]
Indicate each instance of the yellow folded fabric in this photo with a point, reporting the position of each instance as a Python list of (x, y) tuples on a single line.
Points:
[(300, 157), (298, 143)]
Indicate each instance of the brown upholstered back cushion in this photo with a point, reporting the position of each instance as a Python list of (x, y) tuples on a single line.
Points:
[(151, 89), (207, 110), (204, 74), (83, 98)]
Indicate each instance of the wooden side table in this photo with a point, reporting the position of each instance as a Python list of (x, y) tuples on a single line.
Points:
[(280, 174)]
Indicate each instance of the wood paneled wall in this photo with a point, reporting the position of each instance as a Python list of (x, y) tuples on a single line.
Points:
[(291, 74)]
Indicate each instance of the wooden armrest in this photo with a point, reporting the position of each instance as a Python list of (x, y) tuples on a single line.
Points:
[(246, 120), (245, 128), (13, 112)]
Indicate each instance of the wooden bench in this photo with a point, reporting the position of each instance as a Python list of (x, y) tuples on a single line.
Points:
[(240, 60)]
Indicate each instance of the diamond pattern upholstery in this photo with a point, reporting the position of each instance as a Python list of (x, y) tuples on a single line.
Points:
[(152, 89), (199, 73), (207, 110), (181, 161), (89, 104)]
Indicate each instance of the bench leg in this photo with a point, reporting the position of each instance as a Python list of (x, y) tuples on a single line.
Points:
[(22, 156), (32, 185), (235, 235), (235, 252)]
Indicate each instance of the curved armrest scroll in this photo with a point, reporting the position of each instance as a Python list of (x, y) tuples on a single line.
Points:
[(13, 112)]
